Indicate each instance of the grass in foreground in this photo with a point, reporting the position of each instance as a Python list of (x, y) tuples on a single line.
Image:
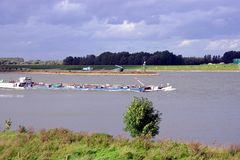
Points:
[(62, 144)]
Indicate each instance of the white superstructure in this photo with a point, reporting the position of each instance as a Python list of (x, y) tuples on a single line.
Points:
[(21, 83)]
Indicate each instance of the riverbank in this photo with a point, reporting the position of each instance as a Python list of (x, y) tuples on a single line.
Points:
[(128, 69), (79, 72), (107, 72), (62, 144)]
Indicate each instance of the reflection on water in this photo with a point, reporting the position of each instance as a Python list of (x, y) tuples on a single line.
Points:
[(205, 107)]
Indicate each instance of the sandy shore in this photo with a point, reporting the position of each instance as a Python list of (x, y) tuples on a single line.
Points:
[(107, 72), (73, 72)]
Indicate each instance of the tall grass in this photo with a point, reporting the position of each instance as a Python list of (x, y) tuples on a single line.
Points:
[(62, 144)]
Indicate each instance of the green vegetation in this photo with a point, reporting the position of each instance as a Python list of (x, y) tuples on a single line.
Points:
[(141, 119), (62, 144), (204, 67), (156, 58)]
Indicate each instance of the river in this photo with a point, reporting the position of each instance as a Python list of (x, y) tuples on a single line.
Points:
[(205, 107)]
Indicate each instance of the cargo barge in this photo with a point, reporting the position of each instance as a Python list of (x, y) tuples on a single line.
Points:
[(27, 83)]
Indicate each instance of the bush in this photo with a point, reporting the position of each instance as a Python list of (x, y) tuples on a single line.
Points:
[(22, 129), (141, 118)]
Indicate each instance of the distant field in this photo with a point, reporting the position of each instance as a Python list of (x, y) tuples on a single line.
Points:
[(205, 67)]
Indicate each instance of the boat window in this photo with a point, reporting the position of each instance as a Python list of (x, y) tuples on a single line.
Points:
[(22, 84), (147, 88)]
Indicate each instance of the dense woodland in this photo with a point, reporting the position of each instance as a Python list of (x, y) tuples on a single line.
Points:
[(126, 58), (156, 58)]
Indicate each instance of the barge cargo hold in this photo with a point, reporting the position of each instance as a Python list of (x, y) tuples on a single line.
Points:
[(26, 83)]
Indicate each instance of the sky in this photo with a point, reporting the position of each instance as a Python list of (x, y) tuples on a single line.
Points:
[(54, 29)]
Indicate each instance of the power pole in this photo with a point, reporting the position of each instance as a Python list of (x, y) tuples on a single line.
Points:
[(144, 66)]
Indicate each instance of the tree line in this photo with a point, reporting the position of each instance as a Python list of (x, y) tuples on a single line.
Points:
[(156, 58)]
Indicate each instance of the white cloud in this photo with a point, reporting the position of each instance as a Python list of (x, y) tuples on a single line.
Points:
[(67, 26), (66, 6), (188, 42), (224, 44), (126, 29)]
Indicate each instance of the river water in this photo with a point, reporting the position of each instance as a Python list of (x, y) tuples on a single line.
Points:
[(205, 107)]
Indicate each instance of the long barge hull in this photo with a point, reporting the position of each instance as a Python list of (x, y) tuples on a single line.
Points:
[(26, 83), (140, 89)]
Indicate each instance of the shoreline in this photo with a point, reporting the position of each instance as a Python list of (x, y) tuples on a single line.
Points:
[(94, 73), (125, 73)]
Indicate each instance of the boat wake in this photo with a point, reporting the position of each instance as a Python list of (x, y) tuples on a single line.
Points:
[(11, 96)]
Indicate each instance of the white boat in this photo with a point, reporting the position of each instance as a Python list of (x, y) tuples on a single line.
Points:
[(151, 88), (21, 83), (168, 88)]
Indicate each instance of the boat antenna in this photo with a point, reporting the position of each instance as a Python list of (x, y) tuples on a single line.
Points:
[(140, 81)]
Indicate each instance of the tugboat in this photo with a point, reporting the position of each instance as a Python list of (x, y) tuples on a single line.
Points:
[(21, 83)]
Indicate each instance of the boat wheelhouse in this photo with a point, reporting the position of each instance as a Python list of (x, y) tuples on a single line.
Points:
[(21, 83)]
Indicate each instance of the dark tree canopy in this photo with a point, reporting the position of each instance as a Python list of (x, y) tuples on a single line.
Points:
[(229, 56), (125, 58), (68, 61), (156, 58)]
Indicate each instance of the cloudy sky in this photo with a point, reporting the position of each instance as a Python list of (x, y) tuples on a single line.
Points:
[(54, 29)]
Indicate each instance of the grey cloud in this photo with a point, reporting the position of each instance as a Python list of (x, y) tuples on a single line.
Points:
[(61, 27)]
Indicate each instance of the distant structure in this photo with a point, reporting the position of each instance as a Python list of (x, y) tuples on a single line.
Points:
[(144, 66), (89, 68), (119, 68), (236, 61), (7, 61), (8, 124)]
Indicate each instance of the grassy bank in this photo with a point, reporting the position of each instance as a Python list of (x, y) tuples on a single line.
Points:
[(205, 67), (62, 144)]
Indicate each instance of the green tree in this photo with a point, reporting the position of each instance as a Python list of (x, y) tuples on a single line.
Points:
[(230, 55), (141, 118), (68, 60)]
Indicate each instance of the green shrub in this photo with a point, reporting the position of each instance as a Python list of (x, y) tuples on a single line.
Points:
[(141, 118), (22, 129)]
